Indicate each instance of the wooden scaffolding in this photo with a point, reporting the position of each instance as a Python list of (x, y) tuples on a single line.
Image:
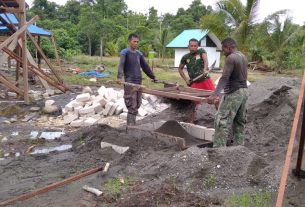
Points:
[(14, 47)]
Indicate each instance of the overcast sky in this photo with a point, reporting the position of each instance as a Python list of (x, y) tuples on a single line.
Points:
[(266, 7)]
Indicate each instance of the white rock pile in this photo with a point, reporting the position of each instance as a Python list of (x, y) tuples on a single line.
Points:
[(87, 109)]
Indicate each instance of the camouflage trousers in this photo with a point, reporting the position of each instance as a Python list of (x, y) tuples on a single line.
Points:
[(133, 100), (231, 114)]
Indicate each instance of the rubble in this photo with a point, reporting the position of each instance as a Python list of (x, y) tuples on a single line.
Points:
[(88, 108)]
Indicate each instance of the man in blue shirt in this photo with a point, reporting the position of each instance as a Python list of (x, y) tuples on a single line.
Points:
[(131, 62)]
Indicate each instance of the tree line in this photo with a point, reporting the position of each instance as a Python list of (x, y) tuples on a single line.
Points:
[(83, 26)]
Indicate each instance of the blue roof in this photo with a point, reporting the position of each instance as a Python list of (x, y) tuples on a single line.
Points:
[(33, 29), (182, 40)]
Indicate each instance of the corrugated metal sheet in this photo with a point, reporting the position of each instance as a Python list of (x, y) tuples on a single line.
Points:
[(182, 40)]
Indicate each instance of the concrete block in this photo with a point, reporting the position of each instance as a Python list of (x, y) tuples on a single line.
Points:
[(142, 112), (84, 116), (149, 109), (69, 118), (76, 109), (198, 131), (209, 134), (120, 94), (125, 109), (97, 107), (118, 110), (77, 123), (89, 103), (100, 99), (76, 104), (83, 97), (69, 106), (107, 108), (101, 91), (162, 106), (145, 96), (144, 102), (90, 121), (86, 110), (111, 95), (112, 110), (123, 116)]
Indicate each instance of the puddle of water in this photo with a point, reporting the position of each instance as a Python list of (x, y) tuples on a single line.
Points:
[(46, 135), (52, 149)]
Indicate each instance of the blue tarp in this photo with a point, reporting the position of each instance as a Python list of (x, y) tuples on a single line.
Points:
[(95, 74), (33, 29)]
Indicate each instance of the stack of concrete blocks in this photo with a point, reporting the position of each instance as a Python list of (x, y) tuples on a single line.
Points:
[(87, 109)]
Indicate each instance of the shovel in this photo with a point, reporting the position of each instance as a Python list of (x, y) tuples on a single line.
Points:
[(204, 74)]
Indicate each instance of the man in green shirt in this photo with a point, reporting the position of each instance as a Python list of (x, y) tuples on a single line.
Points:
[(196, 62)]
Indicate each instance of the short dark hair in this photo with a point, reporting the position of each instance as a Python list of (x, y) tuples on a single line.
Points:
[(132, 36), (229, 42), (193, 40)]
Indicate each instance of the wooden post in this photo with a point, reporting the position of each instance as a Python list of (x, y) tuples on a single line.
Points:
[(24, 56), (44, 57), (298, 170), (56, 52), (38, 54)]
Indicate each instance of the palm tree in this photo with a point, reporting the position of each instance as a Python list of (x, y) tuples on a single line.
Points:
[(163, 40), (283, 35), (237, 18)]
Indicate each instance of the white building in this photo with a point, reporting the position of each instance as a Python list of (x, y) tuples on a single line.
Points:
[(207, 40)]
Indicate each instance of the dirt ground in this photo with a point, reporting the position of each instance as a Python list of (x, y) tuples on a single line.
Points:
[(152, 173)]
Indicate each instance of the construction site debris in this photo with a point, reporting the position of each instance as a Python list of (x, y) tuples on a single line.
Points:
[(90, 109), (95, 191)]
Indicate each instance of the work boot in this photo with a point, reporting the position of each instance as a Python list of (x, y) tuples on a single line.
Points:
[(131, 120)]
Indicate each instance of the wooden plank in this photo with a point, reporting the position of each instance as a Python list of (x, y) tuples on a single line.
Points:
[(195, 90), (173, 95), (44, 56), (4, 56), (284, 176), (39, 72), (56, 52), (24, 56), (32, 61), (50, 187), (10, 85)]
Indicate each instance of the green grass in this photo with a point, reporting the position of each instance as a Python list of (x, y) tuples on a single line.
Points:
[(113, 188), (249, 200), (163, 70), (210, 181)]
